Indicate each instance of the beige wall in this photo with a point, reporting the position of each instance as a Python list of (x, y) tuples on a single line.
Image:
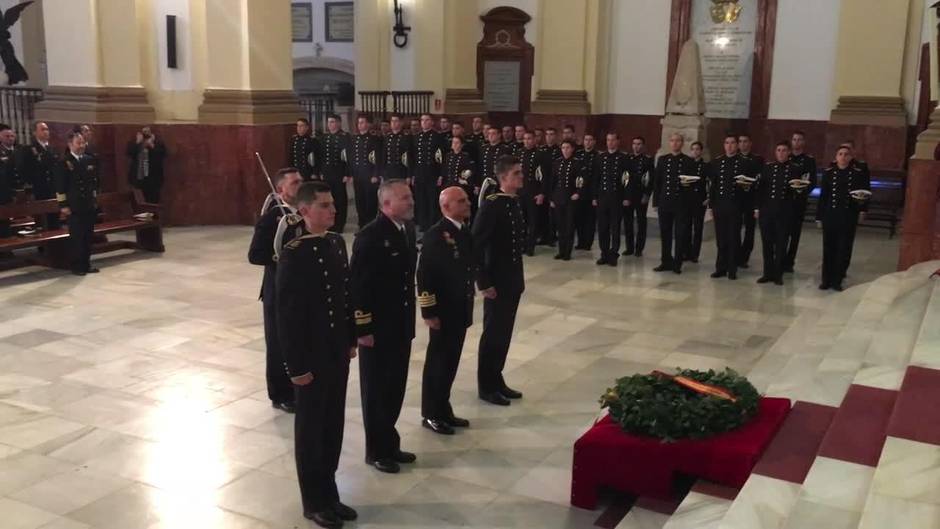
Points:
[(72, 42), (871, 44)]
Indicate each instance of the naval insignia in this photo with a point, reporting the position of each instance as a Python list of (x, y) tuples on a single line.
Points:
[(293, 218)]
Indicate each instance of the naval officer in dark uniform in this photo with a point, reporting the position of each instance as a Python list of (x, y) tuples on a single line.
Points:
[(697, 202), (532, 195), (806, 165), (568, 191), (383, 286), (334, 168), (839, 212), (610, 173), (36, 164), (670, 198), (498, 243), (302, 150), (363, 157), (263, 252), (637, 194), (722, 200), (753, 164), (445, 295), (425, 170), (774, 207), (318, 338), (76, 182), (395, 148)]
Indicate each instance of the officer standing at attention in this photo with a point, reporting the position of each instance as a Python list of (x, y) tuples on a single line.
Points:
[(302, 149), (669, 198), (36, 164), (366, 152), (334, 169), (458, 168), (76, 182), (722, 191), (498, 244), (585, 223), (318, 337), (638, 192), (425, 172), (806, 165), (445, 286), (262, 252), (697, 203), (395, 148), (839, 211), (568, 190), (753, 164), (610, 167), (533, 190), (774, 208), (383, 287)]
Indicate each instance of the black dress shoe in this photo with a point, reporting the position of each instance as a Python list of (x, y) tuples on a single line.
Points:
[(457, 422), (78, 273), (494, 398), (638, 253), (778, 281), (601, 261), (324, 518), (510, 393), (612, 261), (744, 265), (763, 279), (662, 268), (557, 256), (628, 251), (287, 407), (677, 269), (787, 269), (838, 287), (530, 253), (385, 465), (732, 275), (345, 512), (824, 286), (566, 258), (92, 270), (437, 426), (404, 457), (716, 274), (694, 260)]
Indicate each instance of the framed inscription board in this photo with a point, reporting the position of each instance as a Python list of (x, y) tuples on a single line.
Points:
[(339, 21), (501, 81), (301, 16)]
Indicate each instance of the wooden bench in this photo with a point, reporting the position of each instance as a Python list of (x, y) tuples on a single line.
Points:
[(117, 212)]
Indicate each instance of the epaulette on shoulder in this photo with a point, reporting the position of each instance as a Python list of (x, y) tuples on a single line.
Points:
[(294, 244), (293, 218), (494, 196)]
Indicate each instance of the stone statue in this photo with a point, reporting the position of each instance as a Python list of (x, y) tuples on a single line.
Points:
[(685, 109)]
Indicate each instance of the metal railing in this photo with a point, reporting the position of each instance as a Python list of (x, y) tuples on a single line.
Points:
[(17, 109), (318, 107), (409, 103)]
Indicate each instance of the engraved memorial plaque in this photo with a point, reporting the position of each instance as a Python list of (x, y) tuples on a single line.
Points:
[(501, 86), (725, 31)]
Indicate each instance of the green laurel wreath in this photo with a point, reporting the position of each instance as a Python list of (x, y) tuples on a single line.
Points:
[(655, 406)]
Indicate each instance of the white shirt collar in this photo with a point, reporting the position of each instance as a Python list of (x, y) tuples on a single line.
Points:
[(454, 222), (77, 157)]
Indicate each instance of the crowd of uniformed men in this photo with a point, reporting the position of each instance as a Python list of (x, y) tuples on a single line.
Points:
[(481, 200)]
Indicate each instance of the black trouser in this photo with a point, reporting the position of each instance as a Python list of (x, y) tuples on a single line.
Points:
[(673, 230), (81, 233), (584, 220), (837, 244), (530, 211), (383, 374), (774, 233), (728, 238), (695, 233), (749, 223), (367, 200), (795, 231), (609, 211), (499, 317), (546, 223), (564, 221), (853, 228), (280, 388), (334, 178), (427, 210), (635, 242), (318, 435), (151, 190), (440, 368)]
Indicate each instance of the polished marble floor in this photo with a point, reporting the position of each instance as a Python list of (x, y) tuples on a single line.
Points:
[(135, 399)]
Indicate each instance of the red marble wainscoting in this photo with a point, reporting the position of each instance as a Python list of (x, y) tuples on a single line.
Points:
[(920, 231), (212, 176)]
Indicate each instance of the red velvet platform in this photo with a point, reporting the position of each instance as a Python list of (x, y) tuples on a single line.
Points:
[(644, 466)]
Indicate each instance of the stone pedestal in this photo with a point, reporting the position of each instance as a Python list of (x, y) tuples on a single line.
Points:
[(692, 128), (920, 231)]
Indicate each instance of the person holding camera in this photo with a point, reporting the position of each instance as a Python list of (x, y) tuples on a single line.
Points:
[(145, 171)]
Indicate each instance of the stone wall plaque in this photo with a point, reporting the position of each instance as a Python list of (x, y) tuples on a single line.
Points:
[(301, 17), (725, 31), (501, 80), (339, 21)]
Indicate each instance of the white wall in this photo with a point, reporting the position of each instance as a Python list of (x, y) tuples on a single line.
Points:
[(402, 71), (181, 77), (341, 50), (639, 50), (804, 59)]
